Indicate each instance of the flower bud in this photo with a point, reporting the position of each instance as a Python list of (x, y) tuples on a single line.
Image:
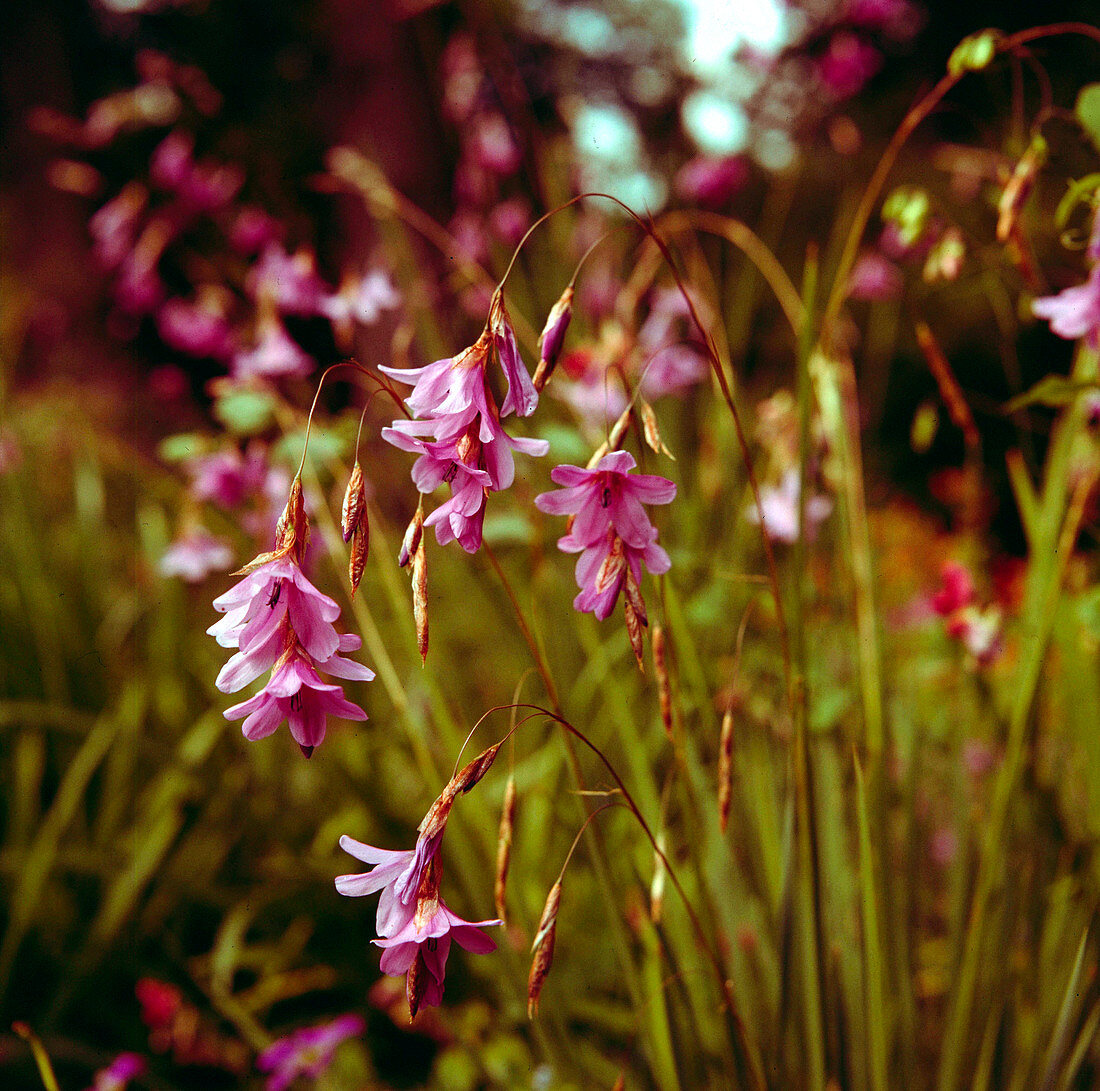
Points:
[(553, 337)]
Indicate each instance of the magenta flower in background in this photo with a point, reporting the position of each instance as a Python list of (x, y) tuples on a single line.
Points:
[(195, 326), (610, 528), (275, 354), (227, 477), (172, 160), (875, 277), (124, 1068), (306, 1052), (290, 281), (711, 181), (195, 555)]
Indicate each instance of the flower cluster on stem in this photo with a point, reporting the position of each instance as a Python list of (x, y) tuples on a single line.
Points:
[(457, 429), (278, 621)]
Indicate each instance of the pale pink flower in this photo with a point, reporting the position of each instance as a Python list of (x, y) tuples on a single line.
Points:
[(1074, 312), (306, 1052), (275, 355), (361, 299), (779, 504), (848, 63), (195, 555), (277, 619), (457, 430)]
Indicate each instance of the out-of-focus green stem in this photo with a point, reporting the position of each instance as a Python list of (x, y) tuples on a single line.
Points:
[(807, 880), (1059, 512)]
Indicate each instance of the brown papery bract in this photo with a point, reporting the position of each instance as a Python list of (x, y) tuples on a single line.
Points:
[(543, 949), (504, 846), (725, 769)]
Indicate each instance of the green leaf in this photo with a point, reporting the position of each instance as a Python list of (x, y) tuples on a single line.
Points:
[(245, 412), (1054, 391), (974, 52), (1088, 111)]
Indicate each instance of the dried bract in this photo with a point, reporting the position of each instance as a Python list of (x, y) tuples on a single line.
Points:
[(355, 503), (650, 431), (504, 845), (420, 599), (664, 686), (725, 769), (470, 774), (411, 542), (543, 949)]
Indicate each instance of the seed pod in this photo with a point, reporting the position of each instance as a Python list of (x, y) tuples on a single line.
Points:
[(553, 337), (650, 431), (416, 983), (470, 774), (543, 949), (411, 542), (634, 630), (725, 769), (420, 599), (664, 685), (357, 558), (355, 503), (504, 845)]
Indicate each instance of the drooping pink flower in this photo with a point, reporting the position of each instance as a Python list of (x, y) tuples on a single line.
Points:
[(610, 528), (195, 555), (124, 1068), (361, 299), (389, 868), (604, 497), (306, 1052), (957, 590), (848, 63), (420, 948)]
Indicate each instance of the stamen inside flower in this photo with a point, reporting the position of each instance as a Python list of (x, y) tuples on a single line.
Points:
[(274, 600)]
